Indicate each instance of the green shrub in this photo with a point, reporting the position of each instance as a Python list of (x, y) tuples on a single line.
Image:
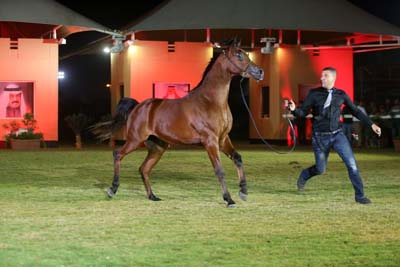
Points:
[(25, 132)]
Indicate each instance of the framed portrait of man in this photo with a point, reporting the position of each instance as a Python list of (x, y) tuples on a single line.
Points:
[(170, 90), (16, 99)]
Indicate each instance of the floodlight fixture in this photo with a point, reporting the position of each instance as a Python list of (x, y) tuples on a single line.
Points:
[(118, 45), (268, 48)]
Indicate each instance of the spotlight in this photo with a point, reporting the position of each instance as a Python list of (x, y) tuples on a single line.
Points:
[(118, 45), (61, 75), (268, 48)]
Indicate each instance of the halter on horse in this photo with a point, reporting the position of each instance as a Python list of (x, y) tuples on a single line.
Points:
[(202, 118)]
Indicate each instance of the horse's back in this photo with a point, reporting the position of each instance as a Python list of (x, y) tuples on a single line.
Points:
[(169, 119), (155, 111)]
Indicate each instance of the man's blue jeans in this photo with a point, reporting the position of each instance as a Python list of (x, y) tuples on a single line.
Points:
[(322, 143)]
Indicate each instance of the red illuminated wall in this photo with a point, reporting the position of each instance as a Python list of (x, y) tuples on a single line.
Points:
[(288, 68), (342, 60), (151, 62), (34, 60), (304, 67), (148, 62)]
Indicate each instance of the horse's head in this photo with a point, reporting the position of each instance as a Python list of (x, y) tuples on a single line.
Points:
[(239, 62)]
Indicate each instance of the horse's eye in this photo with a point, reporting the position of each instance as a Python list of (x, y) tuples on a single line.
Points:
[(239, 55)]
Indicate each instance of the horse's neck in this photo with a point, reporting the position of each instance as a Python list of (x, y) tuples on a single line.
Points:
[(215, 86)]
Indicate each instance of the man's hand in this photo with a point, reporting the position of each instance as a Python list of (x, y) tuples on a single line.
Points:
[(290, 105), (376, 129)]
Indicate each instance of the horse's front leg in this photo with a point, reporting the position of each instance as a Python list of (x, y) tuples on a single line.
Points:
[(228, 149), (213, 154)]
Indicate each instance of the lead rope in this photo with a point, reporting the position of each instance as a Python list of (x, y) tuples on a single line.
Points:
[(258, 132)]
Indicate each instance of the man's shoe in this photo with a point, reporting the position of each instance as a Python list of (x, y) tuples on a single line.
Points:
[(363, 200), (301, 183)]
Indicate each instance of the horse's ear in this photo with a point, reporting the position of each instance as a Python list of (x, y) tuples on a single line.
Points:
[(234, 42), (227, 43), (237, 41)]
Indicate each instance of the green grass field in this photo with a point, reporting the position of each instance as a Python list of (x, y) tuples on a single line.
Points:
[(54, 212)]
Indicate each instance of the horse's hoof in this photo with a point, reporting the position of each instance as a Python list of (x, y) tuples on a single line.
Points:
[(109, 193), (154, 198), (230, 206), (242, 196)]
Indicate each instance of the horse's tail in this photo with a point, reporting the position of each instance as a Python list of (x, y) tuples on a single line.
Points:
[(103, 130), (120, 117)]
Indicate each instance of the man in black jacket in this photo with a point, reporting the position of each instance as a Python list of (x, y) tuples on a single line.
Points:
[(325, 103), (347, 124)]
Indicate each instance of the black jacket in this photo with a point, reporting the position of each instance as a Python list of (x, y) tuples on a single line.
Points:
[(328, 121), (347, 115)]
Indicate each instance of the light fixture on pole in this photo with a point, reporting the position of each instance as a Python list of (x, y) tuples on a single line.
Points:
[(118, 45), (268, 48)]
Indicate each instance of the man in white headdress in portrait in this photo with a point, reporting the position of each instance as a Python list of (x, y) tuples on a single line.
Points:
[(12, 102)]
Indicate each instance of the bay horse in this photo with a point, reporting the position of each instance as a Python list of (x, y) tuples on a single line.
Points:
[(202, 117)]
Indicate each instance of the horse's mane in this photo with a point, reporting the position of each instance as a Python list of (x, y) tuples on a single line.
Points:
[(206, 71), (226, 43)]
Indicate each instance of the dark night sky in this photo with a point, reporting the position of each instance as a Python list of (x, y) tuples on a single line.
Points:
[(387, 10), (83, 89)]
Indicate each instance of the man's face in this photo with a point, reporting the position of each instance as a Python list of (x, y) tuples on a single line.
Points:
[(171, 89), (14, 100), (327, 79)]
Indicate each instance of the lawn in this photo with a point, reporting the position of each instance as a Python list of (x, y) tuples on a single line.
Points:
[(54, 211)]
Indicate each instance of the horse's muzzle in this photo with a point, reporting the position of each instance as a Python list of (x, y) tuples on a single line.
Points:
[(256, 72)]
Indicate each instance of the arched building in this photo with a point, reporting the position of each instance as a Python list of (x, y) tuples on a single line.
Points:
[(30, 33), (169, 48), (291, 40)]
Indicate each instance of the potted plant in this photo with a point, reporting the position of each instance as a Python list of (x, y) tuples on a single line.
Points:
[(77, 122), (23, 137)]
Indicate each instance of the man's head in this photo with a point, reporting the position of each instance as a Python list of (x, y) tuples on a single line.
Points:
[(14, 99), (328, 77), (171, 89)]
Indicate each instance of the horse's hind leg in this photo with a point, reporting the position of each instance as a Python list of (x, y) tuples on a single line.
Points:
[(155, 151), (118, 156), (213, 154), (230, 151)]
